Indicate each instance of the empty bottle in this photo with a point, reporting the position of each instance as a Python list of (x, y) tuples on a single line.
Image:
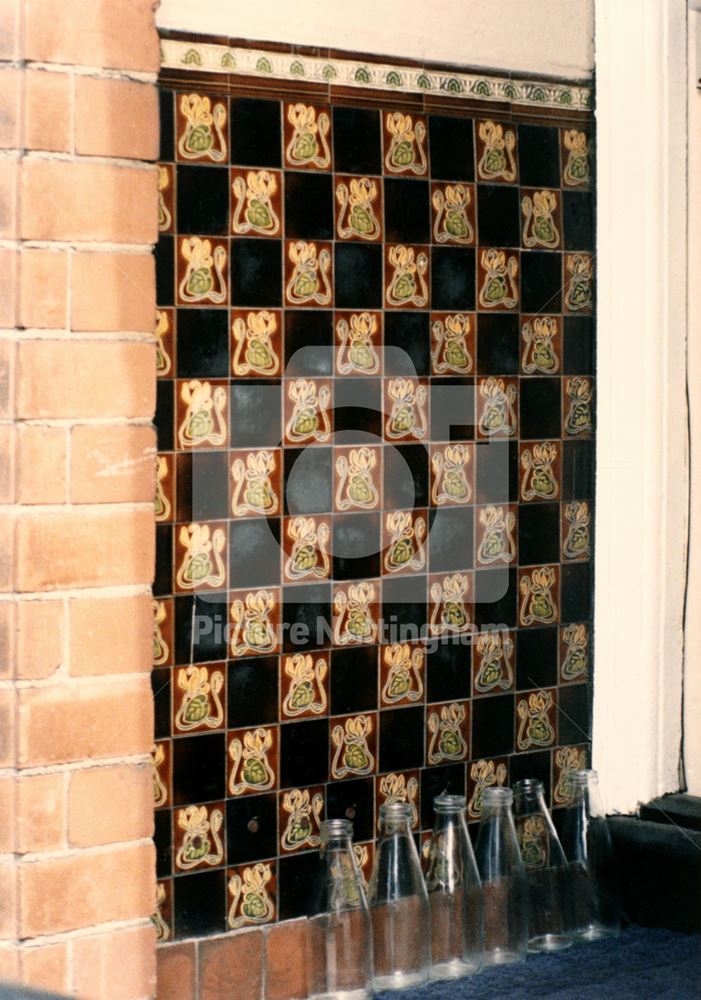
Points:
[(454, 893), (340, 933), (547, 872), (504, 886), (587, 843), (399, 905)]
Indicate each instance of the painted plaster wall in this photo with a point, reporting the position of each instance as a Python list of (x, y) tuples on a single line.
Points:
[(552, 37)]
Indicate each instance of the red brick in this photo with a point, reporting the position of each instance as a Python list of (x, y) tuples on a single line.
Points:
[(8, 900), (41, 813), (7, 551), (236, 958), (176, 972), (111, 635), (66, 893), (9, 268), (7, 378), (43, 291), (98, 33), (41, 464), (120, 964), (116, 118), (7, 463), (9, 37), (113, 292), (83, 720), (10, 104), (45, 967), (286, 961), (108, 805), (90, 379), (76, 548), (86, 201), (7, 811), (47, 111), (40, 638), (113, 464), (7, 727), (9, 177)]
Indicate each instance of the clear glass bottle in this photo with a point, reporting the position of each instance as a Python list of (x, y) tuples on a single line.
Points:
[(399, 904), (340, 933), (454, 893), (547, 872), (587, 843), (503, 876)]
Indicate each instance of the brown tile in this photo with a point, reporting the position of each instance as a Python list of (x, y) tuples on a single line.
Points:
[(286, 961), (236, 959), (176, 974)]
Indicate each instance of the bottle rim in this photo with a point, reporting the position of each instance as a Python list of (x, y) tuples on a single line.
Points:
[(528, 786), (393, 810), (497, 796), (335, 828), (449, 803), (584, 776)]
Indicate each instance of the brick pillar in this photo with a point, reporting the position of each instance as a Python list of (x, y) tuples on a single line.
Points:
[(78, 196)]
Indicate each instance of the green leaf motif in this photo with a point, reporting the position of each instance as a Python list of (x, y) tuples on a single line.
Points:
[(452, 85), (538, 94), (228, 61), (394, 79), (192, 58), (565, 97), (329, 72), (264, 65), (424, 82), (510, 91), (482, 88), (297, 68), (362, 74)]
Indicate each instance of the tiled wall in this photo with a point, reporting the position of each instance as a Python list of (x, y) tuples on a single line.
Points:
[(375, 413)]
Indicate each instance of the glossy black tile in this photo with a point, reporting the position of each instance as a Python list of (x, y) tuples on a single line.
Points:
[(166, 111), (407, 339), (448, 671), (296, 876), (451, 144), (306, 615), (407, 210), (578, 470), (495, 597), (165, 270), (536, 658), (539, 155), (202, 486), (497, 344), (251, 828), (538, 534), (574, 714), (353, 686), (531, 765), (493, 726), (450, 539), (165, 414), (256, 272), (452, 409), (577, 598), (203, 343), (308, 343), (540, 408), (308, 477), (255, 413), (199, 764), (357, 141), (252, 692), (498, 216), (353, 800), (446, 779), (200, 628), (358, 276), (163, 839), (160, 686), (579, 345), (357, 414), (406, 478), (497, 471), (199, 904), (357, 546), (404, 607), (401, 739), (202, 200), (452, 278), (578, 220), (255, 132), (541, 282), (304, 753), (308, 206), (163, 580), (254, 553)]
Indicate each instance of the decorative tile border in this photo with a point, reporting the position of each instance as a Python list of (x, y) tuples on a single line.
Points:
[(213, 58)]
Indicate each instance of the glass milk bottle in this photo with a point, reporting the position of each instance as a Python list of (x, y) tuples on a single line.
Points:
[(399, 905), (454, 893)]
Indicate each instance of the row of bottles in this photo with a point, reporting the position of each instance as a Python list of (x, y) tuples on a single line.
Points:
[(521, 889)]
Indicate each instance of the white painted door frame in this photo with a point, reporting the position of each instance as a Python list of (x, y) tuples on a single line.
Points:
[(642, 454)]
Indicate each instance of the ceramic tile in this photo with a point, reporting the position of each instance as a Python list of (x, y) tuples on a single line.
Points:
[(375, 352)]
